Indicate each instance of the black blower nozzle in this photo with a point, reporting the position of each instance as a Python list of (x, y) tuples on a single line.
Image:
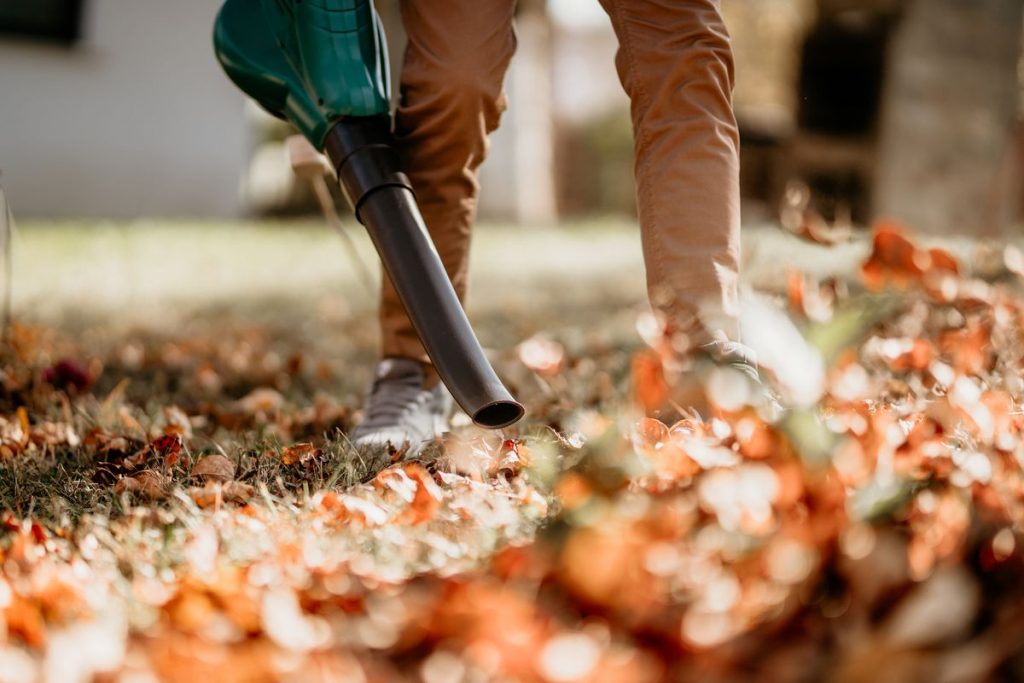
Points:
[(368, 167)]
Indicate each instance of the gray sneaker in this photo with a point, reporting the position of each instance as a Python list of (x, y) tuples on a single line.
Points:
[(399, 411)]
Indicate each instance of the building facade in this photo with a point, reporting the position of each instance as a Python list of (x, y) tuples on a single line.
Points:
[(130, 117)]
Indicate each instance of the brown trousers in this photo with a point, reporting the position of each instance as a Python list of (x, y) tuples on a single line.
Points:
[(675, 63)]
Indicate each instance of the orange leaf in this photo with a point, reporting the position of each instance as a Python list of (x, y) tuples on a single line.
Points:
[(427, 499), (897, 260), (511, 458), (299, 453), (573, 490), (894, 258), (969, 350), (23, 422), (650, 435), (756, 440), (24, 620), (650, 390), (942, 261), (795, 289), (168, 447), (215, 493), (903, 355)]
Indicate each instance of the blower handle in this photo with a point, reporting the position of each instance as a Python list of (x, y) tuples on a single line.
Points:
[(369, 170)]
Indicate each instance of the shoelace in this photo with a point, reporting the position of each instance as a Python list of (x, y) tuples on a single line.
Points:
[(390, 400)]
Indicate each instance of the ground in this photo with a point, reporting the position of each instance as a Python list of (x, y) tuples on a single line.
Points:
[(181, 502)]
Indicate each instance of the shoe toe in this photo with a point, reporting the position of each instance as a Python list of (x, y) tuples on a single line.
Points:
[(394, 437)]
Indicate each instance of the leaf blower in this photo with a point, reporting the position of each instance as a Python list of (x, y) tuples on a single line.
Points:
[(322, 65)]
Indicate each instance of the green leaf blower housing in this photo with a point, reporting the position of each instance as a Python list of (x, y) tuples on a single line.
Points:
[(322, 65)]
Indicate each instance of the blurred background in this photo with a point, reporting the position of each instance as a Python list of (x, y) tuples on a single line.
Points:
[(149, 192), (904, 108)]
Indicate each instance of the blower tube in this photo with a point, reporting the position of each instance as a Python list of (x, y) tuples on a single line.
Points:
[(368, 168)]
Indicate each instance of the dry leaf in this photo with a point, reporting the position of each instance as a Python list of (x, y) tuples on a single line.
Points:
[(26, 430), (896, 260), (427, 499), (214, 467), (148, 483), (352, 508), (299, 453), (650, 390), (215, 492), (261, 401), (511, 458)]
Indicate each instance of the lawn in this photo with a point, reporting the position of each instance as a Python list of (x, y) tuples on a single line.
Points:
[(181, 502)]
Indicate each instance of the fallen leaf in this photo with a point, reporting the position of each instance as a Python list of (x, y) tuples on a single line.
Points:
[(299, 453), (427, 499), (215, 492), (650, 390), (263, 400), (68, 373), (214, 467), (148, 483), (511, 458), (348, 508), (167, 447), (178, 423), (896, 260), (26, 429), (24, 621)]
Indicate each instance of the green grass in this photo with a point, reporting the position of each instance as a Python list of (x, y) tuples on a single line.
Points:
[(153, 303), (150, 305)]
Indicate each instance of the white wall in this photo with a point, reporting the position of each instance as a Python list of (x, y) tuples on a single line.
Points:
[(136, 120)]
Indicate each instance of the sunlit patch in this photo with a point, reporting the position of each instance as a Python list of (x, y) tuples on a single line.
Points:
[(543, 356), (569, 657)]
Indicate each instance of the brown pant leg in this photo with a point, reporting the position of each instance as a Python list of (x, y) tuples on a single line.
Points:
[(451, 99), (675, 63)]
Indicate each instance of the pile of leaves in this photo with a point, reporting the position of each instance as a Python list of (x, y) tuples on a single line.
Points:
[(856, 517)]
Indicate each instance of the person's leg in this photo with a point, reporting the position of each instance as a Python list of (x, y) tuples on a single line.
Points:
[(675, 63), (451, 99)]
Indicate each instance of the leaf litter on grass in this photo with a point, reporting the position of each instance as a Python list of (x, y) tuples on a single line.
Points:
[(861, 524)]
